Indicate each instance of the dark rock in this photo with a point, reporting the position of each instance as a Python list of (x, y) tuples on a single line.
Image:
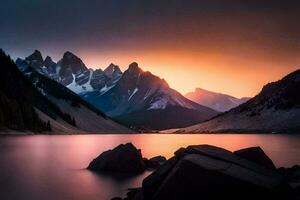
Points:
[(134, 194), (198, 176), (50, 65), (82, 78), (152, 182), (72, 62), (257, 155), (125, 158), (159, 159), (209, 172), (294, 171), (112, 71), (66, 76), (155, 162), (98, 79), (116, 198), (222, 154), (35, 60), (292, 175), (180, 152)]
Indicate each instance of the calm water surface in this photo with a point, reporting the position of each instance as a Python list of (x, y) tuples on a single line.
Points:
[(52, 167)]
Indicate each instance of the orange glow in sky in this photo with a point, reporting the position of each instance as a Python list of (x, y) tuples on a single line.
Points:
[(185, 71)]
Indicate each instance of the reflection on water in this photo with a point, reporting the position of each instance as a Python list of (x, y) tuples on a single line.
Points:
[(53, 167)]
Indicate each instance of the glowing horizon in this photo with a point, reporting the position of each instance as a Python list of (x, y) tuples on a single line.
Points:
[(234, 47), (186, 74), (216, 73)]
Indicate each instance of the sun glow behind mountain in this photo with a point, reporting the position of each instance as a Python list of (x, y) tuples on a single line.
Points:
[(185, 71)]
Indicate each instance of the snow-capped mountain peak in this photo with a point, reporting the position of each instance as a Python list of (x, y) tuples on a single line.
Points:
[(72, 72)]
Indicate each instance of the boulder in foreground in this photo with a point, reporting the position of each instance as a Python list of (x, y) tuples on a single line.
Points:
[(207, 172), (155, 162), (257, 155), (125, 158)]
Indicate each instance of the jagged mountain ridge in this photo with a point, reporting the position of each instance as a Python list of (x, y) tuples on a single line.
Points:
[(141, 99), (139, 90), (217, 101), (275, 109), (127, 95), (72, 72)]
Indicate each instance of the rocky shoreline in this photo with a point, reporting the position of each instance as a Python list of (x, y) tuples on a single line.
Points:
[(203, 172)]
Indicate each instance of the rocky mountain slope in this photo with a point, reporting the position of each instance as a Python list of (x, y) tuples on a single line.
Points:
[(275, 109), (217, 101), (20, 101)]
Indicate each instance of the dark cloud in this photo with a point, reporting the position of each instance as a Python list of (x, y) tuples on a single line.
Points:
[(269, 27)]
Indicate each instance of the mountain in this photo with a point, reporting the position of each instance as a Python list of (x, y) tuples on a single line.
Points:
[(37, 103), (143, 100), (71, 72), (217, 101), (135, 98), (86, 117), (275, 109)]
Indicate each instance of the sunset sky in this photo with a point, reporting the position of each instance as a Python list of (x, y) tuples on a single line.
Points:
[(228, 46)]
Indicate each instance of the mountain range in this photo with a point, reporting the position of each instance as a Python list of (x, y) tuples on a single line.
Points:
[(70, 71), (39, 94), (31, 101), (136, 98), (144, 102), (275, 109), (217, 101)]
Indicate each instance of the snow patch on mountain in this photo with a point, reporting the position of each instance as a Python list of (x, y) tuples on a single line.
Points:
[(161, 103), (80, 89), (106, 89), (133, 93)]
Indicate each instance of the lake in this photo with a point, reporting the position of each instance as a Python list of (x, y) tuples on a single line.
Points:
[(45, 167)]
